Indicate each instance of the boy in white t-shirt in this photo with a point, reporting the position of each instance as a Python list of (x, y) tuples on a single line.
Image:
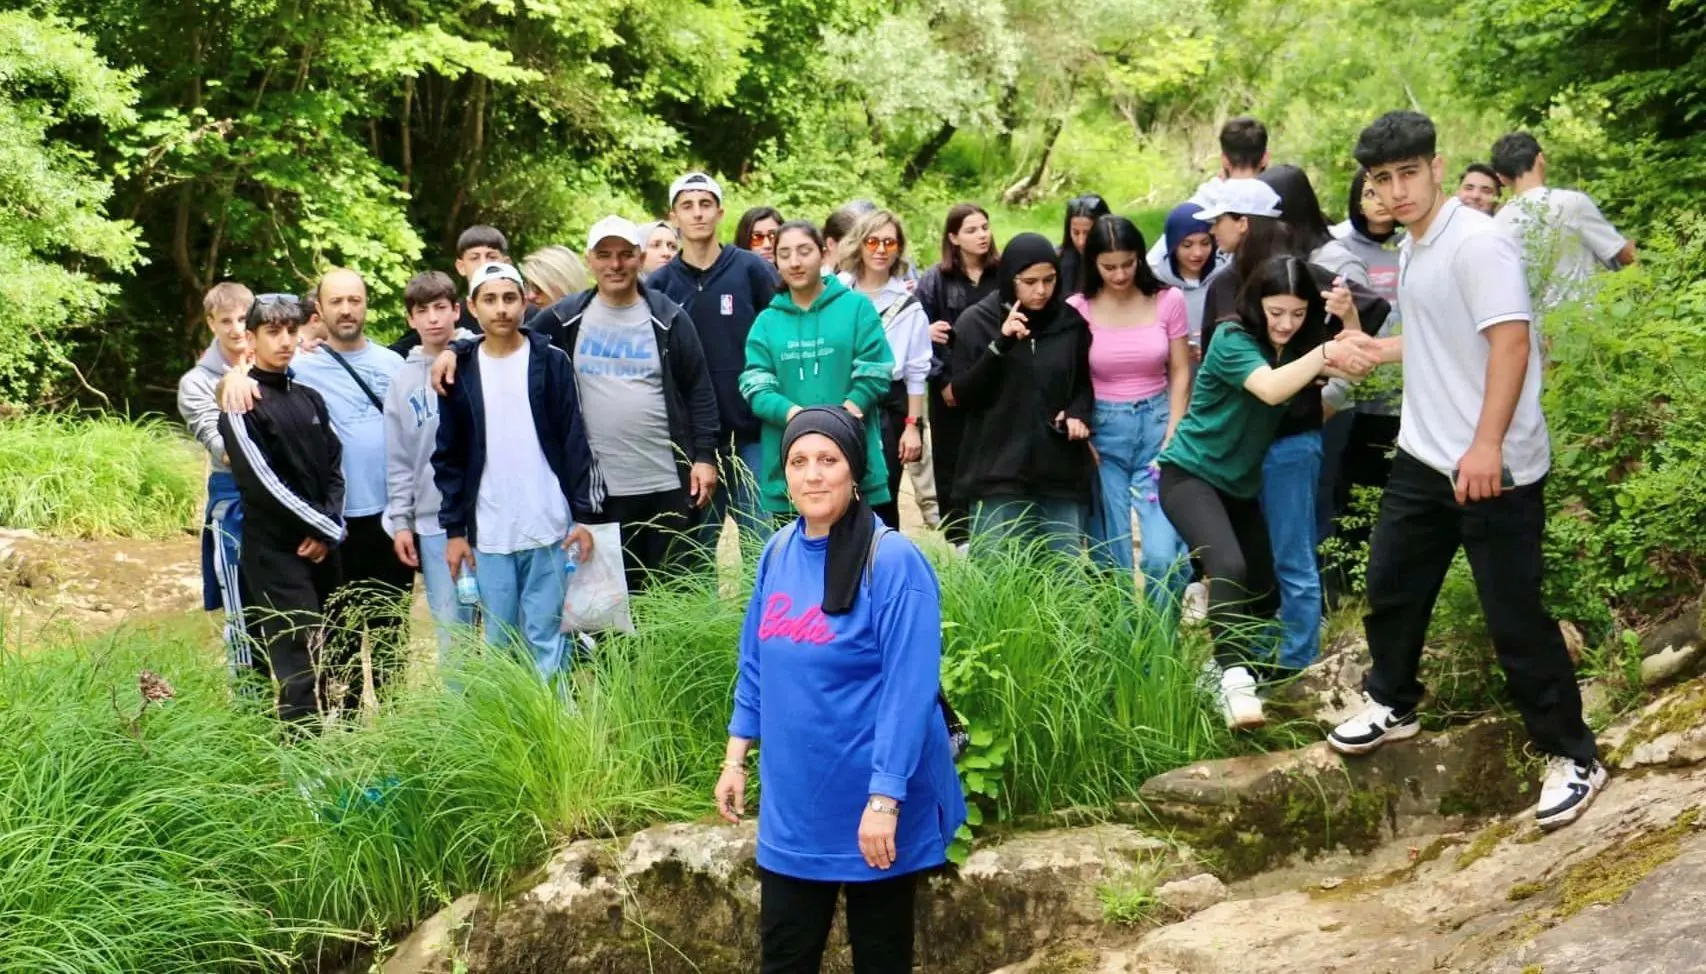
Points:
[(1564, 237), (1470, 471), (513, 408)]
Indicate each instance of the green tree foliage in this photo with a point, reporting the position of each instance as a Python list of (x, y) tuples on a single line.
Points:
[(1616, 87), (58, 249)]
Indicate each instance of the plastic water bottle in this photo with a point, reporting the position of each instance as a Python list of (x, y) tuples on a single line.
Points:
[(467, 590), (571, 560)]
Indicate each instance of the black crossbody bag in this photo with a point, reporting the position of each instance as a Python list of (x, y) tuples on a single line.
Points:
[(378, 403)]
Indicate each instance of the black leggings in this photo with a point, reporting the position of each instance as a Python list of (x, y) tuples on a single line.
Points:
[(794, 917), (1230, 536), (891, 419)]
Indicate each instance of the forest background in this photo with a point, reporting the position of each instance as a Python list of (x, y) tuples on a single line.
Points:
[(149, 148)]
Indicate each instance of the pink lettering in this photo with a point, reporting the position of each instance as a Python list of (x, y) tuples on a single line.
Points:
[(810, 626)]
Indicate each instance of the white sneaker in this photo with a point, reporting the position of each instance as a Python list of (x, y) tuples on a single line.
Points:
[(1373, 725), (1567, 791), (1194, 610), (1238, 700)]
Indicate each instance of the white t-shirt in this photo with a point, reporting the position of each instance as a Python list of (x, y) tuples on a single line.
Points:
[(1563, 237), (520, 505), (1462, 278)]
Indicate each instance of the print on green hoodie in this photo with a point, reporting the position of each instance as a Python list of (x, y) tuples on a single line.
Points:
[(832, 353)]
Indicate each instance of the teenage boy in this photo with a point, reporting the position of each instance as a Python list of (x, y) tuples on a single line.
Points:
[(226, 309), (1470, 470), (1243, 155), (514, 405), (353, 374), (1562, 233), (286, 460), (723, 290), (411, 434), (646, 398), (476, 247), (1478, 188)]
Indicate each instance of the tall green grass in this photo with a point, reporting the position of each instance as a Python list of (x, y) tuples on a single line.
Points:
[(97, 476), (195, 835)]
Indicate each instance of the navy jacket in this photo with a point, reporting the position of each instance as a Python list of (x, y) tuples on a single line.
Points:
[(723, 300), (460, 457), (689, 398)]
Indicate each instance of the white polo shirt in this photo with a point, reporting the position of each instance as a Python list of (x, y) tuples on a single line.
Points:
[(1564, 239), (1462, 278)]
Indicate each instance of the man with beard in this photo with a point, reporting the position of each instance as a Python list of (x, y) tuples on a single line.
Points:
[(353, 374)]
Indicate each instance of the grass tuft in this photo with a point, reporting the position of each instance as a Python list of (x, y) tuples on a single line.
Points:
[(98, 476)]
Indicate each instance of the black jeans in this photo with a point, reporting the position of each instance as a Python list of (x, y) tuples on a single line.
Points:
[(1230, 536), (373, 600), (891, 417), (656, 534), (947, 431), (1420, 529), (284, 600), (794, 917)]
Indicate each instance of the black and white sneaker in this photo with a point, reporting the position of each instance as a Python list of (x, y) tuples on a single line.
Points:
[(1567, 791), (1373, 725)]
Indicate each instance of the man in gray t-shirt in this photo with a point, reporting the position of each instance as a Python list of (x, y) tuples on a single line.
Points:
[(646, 398)]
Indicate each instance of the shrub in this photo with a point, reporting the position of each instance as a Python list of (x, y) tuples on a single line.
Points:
[(98, 476)]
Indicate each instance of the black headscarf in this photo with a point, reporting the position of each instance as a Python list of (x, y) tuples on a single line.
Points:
[(850, 537), (1025, 251)]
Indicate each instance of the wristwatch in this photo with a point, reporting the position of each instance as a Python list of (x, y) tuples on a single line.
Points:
[(883, 806), (917, 421)]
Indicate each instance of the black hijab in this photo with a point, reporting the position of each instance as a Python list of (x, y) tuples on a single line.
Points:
[(1021, 253), (851, 536)]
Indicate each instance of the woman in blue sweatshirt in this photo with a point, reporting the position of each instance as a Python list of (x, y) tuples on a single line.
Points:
[(840, 666)]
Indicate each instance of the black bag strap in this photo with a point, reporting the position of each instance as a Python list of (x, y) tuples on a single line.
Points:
[(378, 403)]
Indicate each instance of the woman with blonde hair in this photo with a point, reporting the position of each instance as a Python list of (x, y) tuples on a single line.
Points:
[(874, 265), (553, 273)]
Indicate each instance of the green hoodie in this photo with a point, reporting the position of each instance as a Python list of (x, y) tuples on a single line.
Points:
[(834, 352)]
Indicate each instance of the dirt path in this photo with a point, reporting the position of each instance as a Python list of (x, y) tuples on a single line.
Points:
[(91, 585)]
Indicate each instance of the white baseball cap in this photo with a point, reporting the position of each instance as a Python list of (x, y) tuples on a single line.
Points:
[(614, 226), (1240, 197), (695, 181), (494, 271)]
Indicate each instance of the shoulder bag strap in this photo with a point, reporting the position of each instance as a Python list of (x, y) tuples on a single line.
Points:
[(378, 403)]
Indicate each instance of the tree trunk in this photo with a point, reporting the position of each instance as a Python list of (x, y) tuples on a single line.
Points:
[(408, 144), (1022, 190), (925, 157)]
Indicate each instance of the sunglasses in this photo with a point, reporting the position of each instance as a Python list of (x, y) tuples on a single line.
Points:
[(763, 236), (271, 299), (877, 245)]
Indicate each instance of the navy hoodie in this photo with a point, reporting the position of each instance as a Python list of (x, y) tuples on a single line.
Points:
[(723, 300)]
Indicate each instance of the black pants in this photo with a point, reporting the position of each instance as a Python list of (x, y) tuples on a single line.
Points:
[(1230, 536), (373, 601), (947, 431), (284, 599), (1420, 529), (656, 534), (794, 917), (891, 415)]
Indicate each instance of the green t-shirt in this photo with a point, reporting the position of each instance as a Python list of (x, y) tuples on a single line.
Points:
[(1226, 433)]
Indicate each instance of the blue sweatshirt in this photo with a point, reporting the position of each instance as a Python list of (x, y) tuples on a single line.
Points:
[(844, 707)]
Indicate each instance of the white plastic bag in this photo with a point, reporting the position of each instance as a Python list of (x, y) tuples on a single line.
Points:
[(596, 597)]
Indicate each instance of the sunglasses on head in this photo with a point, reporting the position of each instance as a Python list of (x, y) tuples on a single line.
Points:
[(878, 245), (763, 236)]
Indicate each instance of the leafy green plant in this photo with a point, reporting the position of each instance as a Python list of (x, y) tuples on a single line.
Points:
[(1129, 901)]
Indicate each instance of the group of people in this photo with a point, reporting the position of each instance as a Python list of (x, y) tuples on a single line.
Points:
[(1041, 392)]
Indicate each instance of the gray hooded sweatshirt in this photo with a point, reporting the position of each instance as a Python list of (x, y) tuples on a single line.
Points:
[(199, 404), (411, 433)]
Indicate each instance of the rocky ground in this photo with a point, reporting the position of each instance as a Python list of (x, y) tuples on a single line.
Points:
[(1420, 858)]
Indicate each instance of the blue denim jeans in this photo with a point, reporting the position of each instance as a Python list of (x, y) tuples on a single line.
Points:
[(1058, 525), (737, 493), (1127, 436), (1289, 477), (521, 595), (448, 614)]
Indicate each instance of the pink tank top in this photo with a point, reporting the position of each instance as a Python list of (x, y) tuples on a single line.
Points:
[(1129, 364)]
